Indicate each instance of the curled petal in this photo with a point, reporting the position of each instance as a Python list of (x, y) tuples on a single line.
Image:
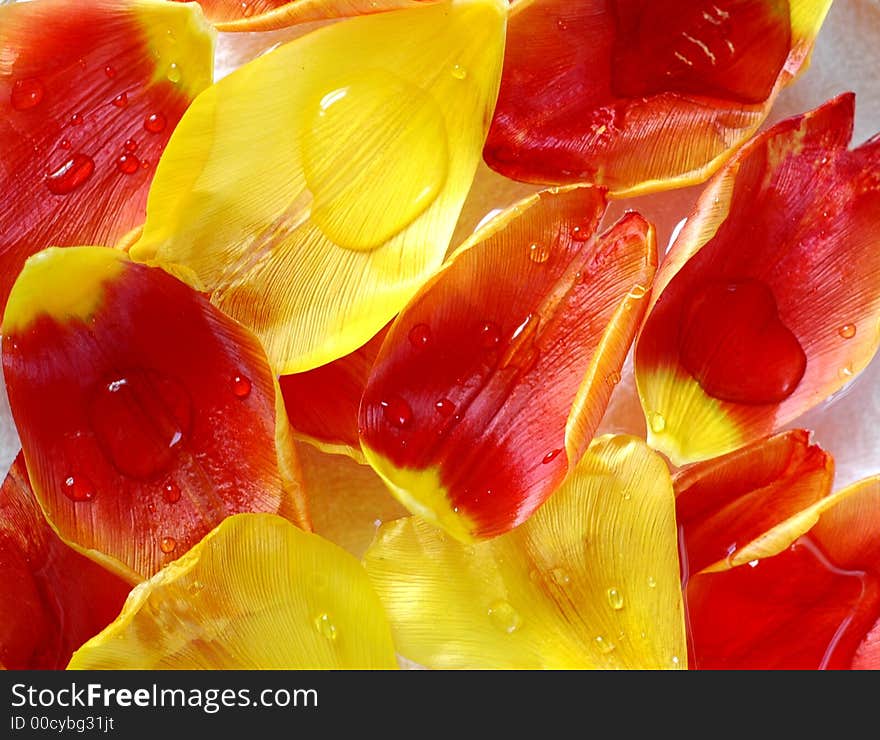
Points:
[(89, 94), (317, 243), (145, 414), (769, 299), (52, 599), (641, 95), (256, 593), (590, 581), (493, 379)]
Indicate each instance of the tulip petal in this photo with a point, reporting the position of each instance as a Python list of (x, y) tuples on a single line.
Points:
[(491, 382), (256, 593), (322, 404), (641, 95), (769, 299), (89, 94), (751, 503), (590, 581), (145, 414), (317, 245), (814, 605), (52, 599)]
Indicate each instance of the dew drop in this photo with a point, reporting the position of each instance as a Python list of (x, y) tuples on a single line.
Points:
[(127, 164), (26, 94), (78, 488), (121, 100), (130, 145), (490, 335), (638, 291), (652, 582), (173, 73), (241, 386), (504, 617), (458, 72), (171, 491), (539, 253), (420, 336), (110, 71), (551, 456), (167, 544), (847, 331), (580, 233), (444, 407), (846, 372), (155, 123), (561, 24), (675, 660), (615, 599), (396, 411), (72, 174), (76, 119), (246, 10), (64, 144), (560, 576), (195, 587), (613, 377), (604, 644), (325, 626), (658, 422)]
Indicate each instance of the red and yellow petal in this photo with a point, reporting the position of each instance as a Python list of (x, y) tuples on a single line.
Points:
[(590, 581), (52, 599), (752, 502), (256, 593), (267, 15), (492, 381), (322, 404), (641, 95), (814, 605), (145, 414), (769, 299), (89, 94), (316, 244)]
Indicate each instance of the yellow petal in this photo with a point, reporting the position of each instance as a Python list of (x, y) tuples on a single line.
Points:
[(590, 581), (313, 190), (255, 593)]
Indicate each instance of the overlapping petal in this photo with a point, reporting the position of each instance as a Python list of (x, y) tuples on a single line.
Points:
[(255, 593), (590, 581), (493, 379), (814, 605), (89, 94), (314, 189), (52, 599), (769, 299), (145, 414), (639, 95)]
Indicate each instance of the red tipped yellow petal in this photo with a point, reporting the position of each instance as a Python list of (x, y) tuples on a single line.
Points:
[(256, 593), (590, 581), (769, 299), (316, 244), (145, 414), (52, 599), (751, 503), (89, 94), (641, 95), (491, 382), (814, 605), (322, 404)]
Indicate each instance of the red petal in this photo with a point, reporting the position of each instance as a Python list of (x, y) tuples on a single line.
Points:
[(52, 599), (89, 94)]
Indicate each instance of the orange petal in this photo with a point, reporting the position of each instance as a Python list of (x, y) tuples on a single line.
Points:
[(89, 95), (52, 599), (641, 95), (728, 508), (322, 404), (492, 380), (769, 299), (145, 414), (814, 605)]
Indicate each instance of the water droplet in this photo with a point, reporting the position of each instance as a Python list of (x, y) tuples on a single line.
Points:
[(444, 407), (246, 10), (490, 335), (121, 100), (458, 72), (604, 644), (613, 377), (78, 488), (145, 165), (155, 123), (130, 145), (504, 617), (652, 582), (64, 144), (325, 626), (580, 233), (69, 176), (195, 587), (420, 336), (127, 164), (173, 73), (171, 491), (76, 119), (560, 576), (241, 386), (561, 24), (615, 599), (675, 660), (539, 253), (846, 372), (550, 456), (638, 291), (167, 544), (658, 422), (847, 331), (141, 420), (110, 71), (396, 411), (26, 94)]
